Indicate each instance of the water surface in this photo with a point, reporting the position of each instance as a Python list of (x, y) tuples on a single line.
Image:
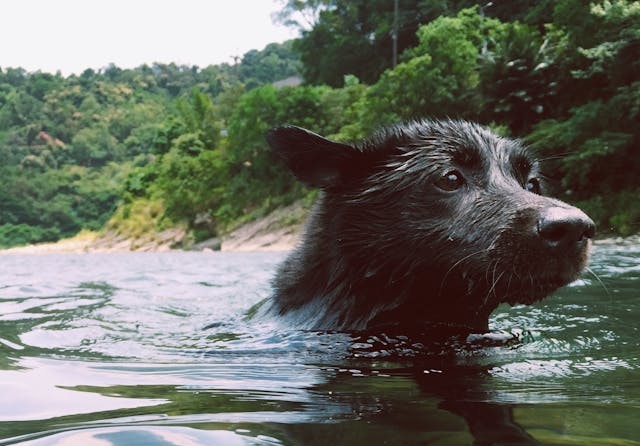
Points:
[(112, 349)]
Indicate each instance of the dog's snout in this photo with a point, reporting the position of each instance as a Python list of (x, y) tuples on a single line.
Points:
[(565, 228)]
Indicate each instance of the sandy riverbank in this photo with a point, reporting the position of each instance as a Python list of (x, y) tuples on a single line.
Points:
[(278, 231), (105, 242)]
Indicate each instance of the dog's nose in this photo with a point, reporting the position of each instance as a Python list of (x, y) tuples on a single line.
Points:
[(565, 228)]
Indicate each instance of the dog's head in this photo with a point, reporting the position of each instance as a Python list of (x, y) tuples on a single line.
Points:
[(449, 201)]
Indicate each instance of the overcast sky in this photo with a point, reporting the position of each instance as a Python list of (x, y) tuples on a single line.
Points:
[(72, 35)]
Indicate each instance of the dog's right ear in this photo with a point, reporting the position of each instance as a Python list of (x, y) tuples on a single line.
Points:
[(313, 159)]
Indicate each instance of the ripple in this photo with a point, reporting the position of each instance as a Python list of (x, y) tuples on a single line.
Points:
[(120, 339), (150, 435)]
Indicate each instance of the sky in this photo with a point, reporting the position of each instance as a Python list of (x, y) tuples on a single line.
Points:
[(72, 35)]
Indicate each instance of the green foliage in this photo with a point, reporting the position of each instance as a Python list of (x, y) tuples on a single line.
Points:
[(275, 62), (345, 108), (199, 119), (356, 37), (137, 218), (94, 146), (598, 144), (57, 202), (212, 187), (614, 55), (72, 148), (256, 176), (23, 234), (192, 187), (439, 77), (521, 76), (163, 145), (617, 213), (601, 134)]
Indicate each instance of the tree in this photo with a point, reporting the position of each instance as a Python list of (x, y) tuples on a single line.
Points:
[(275, 62), (94, 146), (257, 180), (599, 136), (200, 118), (523, 76), (355, 37), (192, 187), (439, 77)]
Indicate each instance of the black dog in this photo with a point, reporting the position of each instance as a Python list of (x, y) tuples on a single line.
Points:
[(425, 223)]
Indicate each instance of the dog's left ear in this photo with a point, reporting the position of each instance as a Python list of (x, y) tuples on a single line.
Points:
[(313, 159)]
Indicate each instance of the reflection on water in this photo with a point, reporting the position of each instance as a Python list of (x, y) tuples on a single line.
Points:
[(111, 349)]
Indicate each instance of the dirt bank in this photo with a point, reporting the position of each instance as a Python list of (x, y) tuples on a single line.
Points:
[(106, 242), (278, 231)]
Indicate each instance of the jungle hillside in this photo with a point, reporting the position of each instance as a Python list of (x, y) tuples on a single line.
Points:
[(161, 146)]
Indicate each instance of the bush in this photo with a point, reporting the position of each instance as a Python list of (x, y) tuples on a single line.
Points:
[(23, 234), (438, 78), (616, 213)]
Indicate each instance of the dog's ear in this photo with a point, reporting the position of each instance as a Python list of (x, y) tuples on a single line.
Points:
[(314, 160)]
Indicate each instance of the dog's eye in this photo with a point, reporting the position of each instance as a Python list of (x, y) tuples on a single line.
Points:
[(450, 181), (533, 185)]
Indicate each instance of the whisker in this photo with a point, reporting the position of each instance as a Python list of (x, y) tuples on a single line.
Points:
[(493, 275), (592, 272), (533, 284), (494, 283), (509, 284), (557, 156), (444, 278)]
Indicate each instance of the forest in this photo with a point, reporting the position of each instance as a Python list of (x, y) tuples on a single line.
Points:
[(159, 146)]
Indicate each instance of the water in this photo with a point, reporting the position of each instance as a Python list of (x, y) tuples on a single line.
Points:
[(112, 350)]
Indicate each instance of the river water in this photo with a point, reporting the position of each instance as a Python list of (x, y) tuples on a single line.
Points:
[(154, 349)]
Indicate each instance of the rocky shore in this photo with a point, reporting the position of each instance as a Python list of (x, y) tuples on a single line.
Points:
[(278, 231)]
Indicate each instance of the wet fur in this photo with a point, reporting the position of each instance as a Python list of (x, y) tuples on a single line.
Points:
[(385, 246)]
